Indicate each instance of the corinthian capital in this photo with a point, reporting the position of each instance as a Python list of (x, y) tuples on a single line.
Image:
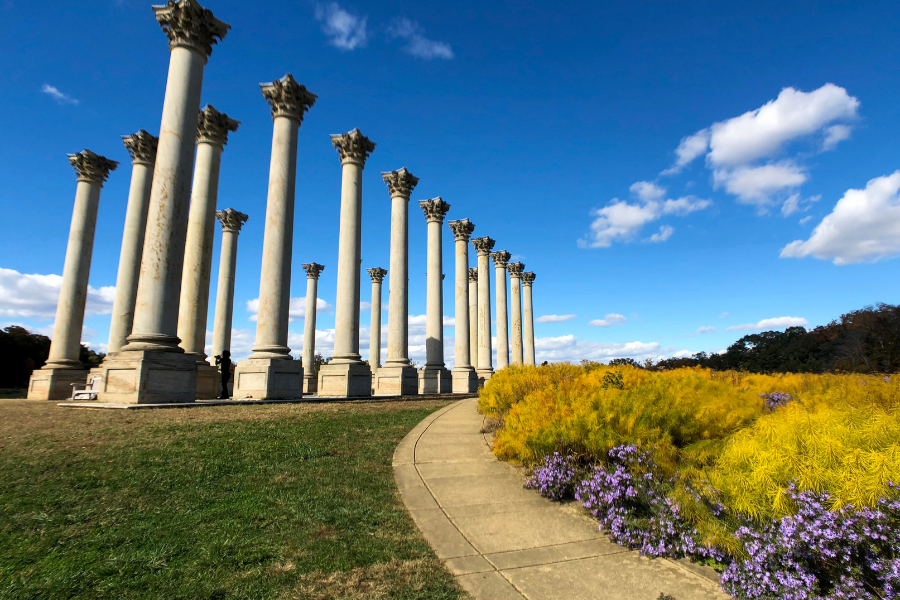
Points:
[(527, 278), (188, 24), (353, 146), (434, 209), (483, 245), (462, 229), (500, 258), (142, 147), (473, 274), (400, 182), (313, 270), (515, 269), (231, 219), (287, 98), (92, 167), (377, 274), (213, 126)]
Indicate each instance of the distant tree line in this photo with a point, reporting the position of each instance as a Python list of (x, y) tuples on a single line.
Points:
[(21, 352)]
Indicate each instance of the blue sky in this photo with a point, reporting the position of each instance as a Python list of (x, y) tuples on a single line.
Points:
[(677, 174)]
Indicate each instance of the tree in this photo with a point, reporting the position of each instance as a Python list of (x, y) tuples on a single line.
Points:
[(21, 352)]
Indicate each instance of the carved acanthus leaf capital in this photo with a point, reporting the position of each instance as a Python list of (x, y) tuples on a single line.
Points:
[(500, 258), (313, 270), (142, 147), (400, 182), (473, 274), (462, 229), (287, 98), (434, 209), (231, 219), (527, 278), (377, 274), (353, 146), (188, 24), (213, 126), (515, 269), (483, 245), (92, 167)]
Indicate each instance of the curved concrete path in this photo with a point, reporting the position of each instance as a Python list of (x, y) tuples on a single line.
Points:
[(505, 542)]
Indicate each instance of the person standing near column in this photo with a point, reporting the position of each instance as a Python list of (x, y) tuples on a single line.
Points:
[(310, 381), (500, 259), (270, 371), (484, 370), (464, 379), (434, 377), (231, 221), (151, 367), (347, 375), (528, 320), (473, 317), (54, 380), (515, 285), (212, 136), (142, 147), (377, 274)]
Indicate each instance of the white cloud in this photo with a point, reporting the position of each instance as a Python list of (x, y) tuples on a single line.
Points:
[(34, 296), (773, 323), (297, 308), (757, 185), (689, 148), (60, 97), (708, 329), (609, 320), (570, 348), (684, 206), (344, 29), (363, 305), (795, 204), (863, 227), (554, 318), (835, 135), (723, 315), (806, 219), (664, 233), (621, 221), (647, 191), (418, 45), (683, 354)]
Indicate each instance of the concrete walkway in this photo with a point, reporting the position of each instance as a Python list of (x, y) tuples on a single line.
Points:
[(505, 542)]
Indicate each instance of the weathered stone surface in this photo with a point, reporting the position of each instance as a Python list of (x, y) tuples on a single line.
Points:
[(484, 368), (377, 274), (515, 280), (148, 377), (310, 381), (270, 378), (231, 221), (528, 319)]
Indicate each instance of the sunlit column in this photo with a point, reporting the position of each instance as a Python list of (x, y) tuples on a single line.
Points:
[(515, 291), (528, 319), (500, 258), (483, 246)]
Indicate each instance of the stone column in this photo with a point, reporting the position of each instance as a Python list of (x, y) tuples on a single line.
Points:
[(270, 371), (483, 369), (464, 379), (434, 378), (515, 286), (152, 368), (142, 147), (212, 136), (231, 221), (310, 381), (473, 317), (528, 320), (346, 374), (398, 377), (377, 274), (54, 380), (500, 259)]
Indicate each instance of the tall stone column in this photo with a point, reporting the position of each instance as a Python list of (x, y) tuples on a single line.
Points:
[(142, 147), (270, 371), (528, 320), (484, 369), (515, 288), (434, 378), (152, 368), (500, 259), (212, 136), (346, 374), (54, 380), (473, 317), (377, 274), (398, 377), (231, 221), (464, 379), (310, 381)]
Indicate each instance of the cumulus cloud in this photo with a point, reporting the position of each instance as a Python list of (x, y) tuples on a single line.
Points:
[(708, 329), (297, 308), (34, 296), (647, 191), (689, 148), (554, 318), (609, 320), (664, 233), (757, 185), (60, 97), (835, 135), (768, 324), (570, 348), (621, 220), (806, 219), (863, 227), (417, 44), (344, 29)]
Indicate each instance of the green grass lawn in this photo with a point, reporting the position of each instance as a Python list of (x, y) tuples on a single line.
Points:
[(276, 501)]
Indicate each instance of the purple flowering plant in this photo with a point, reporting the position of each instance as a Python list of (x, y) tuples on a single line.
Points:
[(555, 478), (776, 400)]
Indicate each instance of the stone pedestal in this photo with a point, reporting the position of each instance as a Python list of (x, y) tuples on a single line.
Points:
[(269, 378), (54, 384), (435, 381), (209, 381), (148, 377), (395, 380), (345, 380)]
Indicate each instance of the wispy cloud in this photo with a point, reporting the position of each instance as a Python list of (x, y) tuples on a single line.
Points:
[(417, 44), (344, 29), (297, 308), (609, 320), (34, 296), (60, 97), (773, 323), (709, 329), (554, 318)]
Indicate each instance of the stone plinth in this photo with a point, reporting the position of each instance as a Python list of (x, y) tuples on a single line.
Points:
[(148, 377), (209, 381), (345, 380), (395, 381), (54, 384), (435, 381), (272, 379)]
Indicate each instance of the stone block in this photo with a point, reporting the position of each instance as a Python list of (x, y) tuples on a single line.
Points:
[(310, 383), (395, 381), (209, 381), (435, 381), (149, 377), (464, 381), (54, 384), (269, 378), (350, 380)]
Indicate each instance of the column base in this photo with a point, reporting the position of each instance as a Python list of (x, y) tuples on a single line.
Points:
[(465, 381), (148, 377), (310, 383), (54, 384), (209, 381), (268, 378), (435, 381), (350, 380), (395, 381), (484, 375)]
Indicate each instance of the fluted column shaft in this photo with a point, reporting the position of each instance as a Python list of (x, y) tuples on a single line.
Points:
[(461, 329), (309, 322), (500, 261), (516, 299), (346, 310), (528, 319), (232, 221), (484, 313), (434, 327), (398, 290), (473, 316), (377, 275)]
